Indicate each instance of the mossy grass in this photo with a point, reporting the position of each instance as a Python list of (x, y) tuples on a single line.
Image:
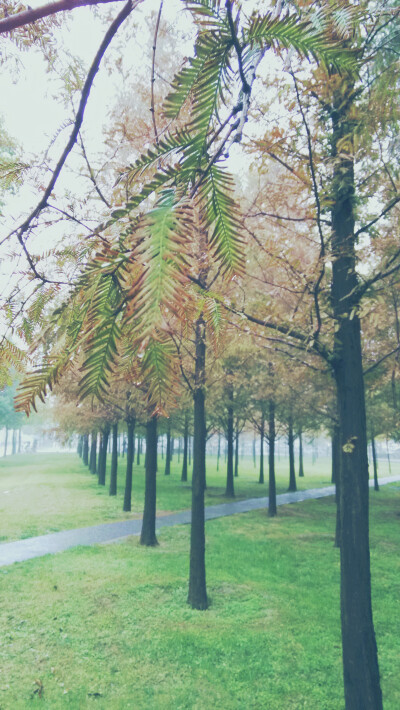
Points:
[(108, 627), (45, 493)]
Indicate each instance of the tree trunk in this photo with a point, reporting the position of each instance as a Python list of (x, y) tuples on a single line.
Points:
[(301, 462), (5, 442), (168, 452), (237, 452), (262, 437), (272, 509), (292, 474), (102, 465), (185, 449), (139, 451), (93, 453), (19, 440), (360, 658), (114, 460), (85, 450), (197, 595), (218, 450), (230, 490), (79, 449), (14, 442), (254, 450), (130, 456), (148, 534), (374, 460)]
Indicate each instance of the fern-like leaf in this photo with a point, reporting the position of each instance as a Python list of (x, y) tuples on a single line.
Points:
[(223, 216)]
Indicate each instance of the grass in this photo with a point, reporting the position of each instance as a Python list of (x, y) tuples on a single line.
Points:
[(108, 627), (46, 493)]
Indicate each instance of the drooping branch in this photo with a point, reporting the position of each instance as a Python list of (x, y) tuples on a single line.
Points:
[(370, 224), (111, 32), (27, 17)]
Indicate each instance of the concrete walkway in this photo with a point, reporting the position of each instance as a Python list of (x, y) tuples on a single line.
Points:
[(21, 550)]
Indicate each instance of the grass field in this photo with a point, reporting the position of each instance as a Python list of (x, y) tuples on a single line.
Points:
[(108, 627), (45, 493)]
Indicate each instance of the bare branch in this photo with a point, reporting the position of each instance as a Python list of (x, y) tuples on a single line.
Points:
[(27, 17), (111, 32), (152, 109)]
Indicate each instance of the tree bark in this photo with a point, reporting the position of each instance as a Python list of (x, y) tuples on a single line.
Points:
[(5, 442), (185, 449), (139, 450), (272, 508), (85, 449), (19, 440), (102, 465), (197, 595), (292, 474), (374, 460), (262, 437), (93, 453), (148, 534), (360, 659), (301, 461), (114, 460), (168, 453), (237, 452), (130, 456), (230, 489)]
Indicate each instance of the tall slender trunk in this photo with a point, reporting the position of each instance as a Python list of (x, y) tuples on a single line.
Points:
[(197, 595), (272, 509), (139, 451), (5, 442), (130, 456), (360, 658), (374, 460), (301, 461), (190, 451), (93, 453), (102, 465), (19, 440), (14, 442), (218, 450), (230, 490), (254, 450), (262, 437), (237, 451), (168, 452), (185, 448), (179, 449), (114, 460), (292, 474), (148, 534), (388, 457), (85, 449), (79, 449)]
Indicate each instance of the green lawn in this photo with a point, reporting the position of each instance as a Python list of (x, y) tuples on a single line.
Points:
[(44, 493), (108, 627)]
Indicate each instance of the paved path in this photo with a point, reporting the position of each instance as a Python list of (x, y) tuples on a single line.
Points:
[(21, 550)]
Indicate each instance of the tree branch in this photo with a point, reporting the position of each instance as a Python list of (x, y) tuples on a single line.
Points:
[(27, 17), (111, 32)]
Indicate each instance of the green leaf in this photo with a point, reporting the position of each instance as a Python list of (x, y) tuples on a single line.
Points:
[(223, 217)]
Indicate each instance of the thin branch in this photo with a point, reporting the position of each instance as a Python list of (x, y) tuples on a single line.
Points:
[(111, 32), (288, 219), (27, 17), (92, 176), (152, 109), (388, 207), (382, 359), (321, 258)]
